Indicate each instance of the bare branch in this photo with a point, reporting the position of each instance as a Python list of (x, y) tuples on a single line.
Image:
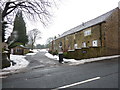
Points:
[(33, 8), (33, 36)]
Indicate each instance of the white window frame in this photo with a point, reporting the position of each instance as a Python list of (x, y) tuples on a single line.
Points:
[(66, 38), (87, 32), (74, 37), (84, 44), (95, 43), (75, 46)]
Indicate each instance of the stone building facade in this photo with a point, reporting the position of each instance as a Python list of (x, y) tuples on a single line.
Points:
[(97, 37), (19, 50)]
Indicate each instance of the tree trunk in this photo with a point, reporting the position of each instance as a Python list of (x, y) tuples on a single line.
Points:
[(32, 46)]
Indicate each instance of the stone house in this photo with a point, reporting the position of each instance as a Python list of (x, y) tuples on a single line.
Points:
[(19, 50), (97, 37)]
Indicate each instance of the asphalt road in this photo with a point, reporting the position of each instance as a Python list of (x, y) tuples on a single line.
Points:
[(102, 74)]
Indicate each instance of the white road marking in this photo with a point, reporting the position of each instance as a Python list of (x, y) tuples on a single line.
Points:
[(78, 83)]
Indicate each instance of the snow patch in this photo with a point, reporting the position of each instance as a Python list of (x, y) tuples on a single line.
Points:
[(31, 54), (20, 61), (51, 56), (37, 50), (34, 52), (43, 50)]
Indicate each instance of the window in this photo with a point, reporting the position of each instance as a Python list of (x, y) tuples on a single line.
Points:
[(60, 44), (75, 46), (88, 32), (84, 44), (66, 38), (74, 36), (95, 43), (54, 42)]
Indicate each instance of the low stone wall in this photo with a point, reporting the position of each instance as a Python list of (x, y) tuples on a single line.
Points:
[(85, 53), (69, 55)]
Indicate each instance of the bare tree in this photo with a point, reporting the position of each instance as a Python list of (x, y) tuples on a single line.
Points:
[(31, 8), (33, 35), (50, 39)]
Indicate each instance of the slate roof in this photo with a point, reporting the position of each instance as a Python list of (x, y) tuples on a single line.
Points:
[(90, 23)]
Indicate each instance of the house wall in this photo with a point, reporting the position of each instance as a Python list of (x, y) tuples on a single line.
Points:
[(111, 33), (119, 31), (18, 52), (95, 35), (70, 42), (67, 45), (26, 51), (56, 44), (50, 46), (63, 43)]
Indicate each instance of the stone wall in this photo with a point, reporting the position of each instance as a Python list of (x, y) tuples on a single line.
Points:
[(111, 33), (118, 31), (85, 53), (95, 35)]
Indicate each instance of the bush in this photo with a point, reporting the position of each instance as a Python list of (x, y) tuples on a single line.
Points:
[(55, 52), (50, 51), (65, 55), (30, 52)]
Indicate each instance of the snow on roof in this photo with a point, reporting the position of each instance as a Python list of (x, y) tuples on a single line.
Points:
[(90, 23), (21, 46)]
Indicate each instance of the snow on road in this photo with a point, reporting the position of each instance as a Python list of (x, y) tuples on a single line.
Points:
[(36, 51), (82, 61), (43, 50)]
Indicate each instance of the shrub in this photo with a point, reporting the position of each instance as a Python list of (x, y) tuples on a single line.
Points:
[(50, 51), (55, 52), (30, 52), (65, 55)]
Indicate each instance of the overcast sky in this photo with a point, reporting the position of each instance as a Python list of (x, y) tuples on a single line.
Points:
[(71, 13)]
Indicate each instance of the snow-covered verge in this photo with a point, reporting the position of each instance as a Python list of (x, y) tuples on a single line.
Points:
[(43, 50), (37, 50), (82, 61), (34, 52), (20, 61)]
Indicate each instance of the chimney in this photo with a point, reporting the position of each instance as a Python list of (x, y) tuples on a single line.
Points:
[(83, 24)]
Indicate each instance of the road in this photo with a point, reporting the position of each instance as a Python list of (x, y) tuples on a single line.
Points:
[(102, 74)]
